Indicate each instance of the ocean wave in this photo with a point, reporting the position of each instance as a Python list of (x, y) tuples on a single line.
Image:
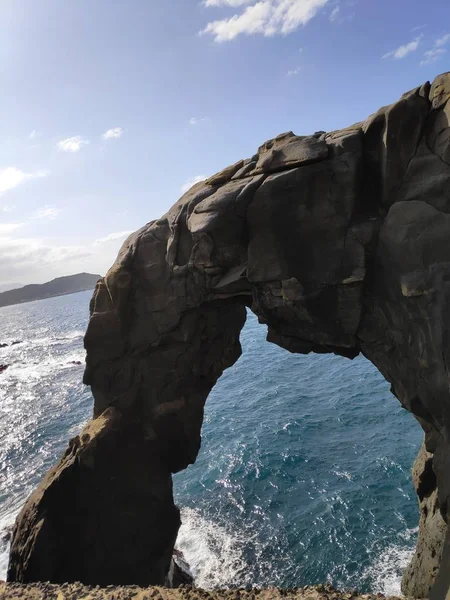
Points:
[(18, 343), (73, 335), (213, 552), (342, 474), (29, 371), (4, 551), (6, 525), (387, 569)]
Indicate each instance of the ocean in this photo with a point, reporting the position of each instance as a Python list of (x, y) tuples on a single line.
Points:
[(304, 472)]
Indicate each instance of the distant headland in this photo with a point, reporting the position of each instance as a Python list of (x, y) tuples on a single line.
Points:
[(57, 287)]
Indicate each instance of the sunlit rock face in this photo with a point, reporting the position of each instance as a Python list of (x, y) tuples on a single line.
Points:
[(421, 572), (339, 242)]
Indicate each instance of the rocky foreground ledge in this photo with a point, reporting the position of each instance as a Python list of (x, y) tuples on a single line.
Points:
[(77, 591)]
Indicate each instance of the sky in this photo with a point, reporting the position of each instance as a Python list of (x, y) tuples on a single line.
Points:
[(110, 109)]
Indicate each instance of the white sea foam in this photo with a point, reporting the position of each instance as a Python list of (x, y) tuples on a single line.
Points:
[(214, 554), (343, 474), (30, 371), (3, 561), (409, 533), (73, 335), (6, 524), (17, 344), (57, 339), (387, 569)]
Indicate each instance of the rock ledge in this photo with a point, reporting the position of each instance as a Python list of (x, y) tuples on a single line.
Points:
[(77, 591)]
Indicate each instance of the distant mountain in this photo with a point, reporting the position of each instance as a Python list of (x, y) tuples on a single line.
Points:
[(56, 287), (10, 286)]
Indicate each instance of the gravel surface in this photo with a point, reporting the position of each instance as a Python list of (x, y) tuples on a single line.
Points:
[(77, 591)]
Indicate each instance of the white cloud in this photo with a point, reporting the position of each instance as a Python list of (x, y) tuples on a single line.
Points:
[(113, 134), (11, 177), (442, 41), (72, 144), (197, 120), (7, 228), (294, 72), (403, 51), (34, 259), (265, 17), (334, 14), (192, 181), (47, 212), (337, 16), (113, 237), (432, 56), (34, 134), (417, 28), (7, 208)]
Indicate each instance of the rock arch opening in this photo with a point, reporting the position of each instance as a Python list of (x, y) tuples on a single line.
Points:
[(338, 242), (299, 479)]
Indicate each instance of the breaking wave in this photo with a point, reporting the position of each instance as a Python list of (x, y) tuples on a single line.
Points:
[(214, 553)]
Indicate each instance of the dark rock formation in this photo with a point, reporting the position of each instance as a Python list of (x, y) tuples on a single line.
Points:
[(57, 287), (338, 241), (179, 572)]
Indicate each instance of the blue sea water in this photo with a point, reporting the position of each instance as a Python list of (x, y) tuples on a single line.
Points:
[(304, 472)]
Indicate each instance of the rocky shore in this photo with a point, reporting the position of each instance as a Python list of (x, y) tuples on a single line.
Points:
[(77, 591)]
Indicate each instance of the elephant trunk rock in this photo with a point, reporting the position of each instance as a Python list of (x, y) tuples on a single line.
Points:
[(338, 241)]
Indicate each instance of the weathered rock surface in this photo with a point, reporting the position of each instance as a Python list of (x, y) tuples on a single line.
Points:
[(422, 571), (339, 242), (76, 591)]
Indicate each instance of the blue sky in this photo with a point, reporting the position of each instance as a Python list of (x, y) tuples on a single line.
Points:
[(109, 107)]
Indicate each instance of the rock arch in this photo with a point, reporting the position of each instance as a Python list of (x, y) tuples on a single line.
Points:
[(339, 241)]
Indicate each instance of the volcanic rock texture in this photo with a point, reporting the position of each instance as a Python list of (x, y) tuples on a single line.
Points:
[(339, 242)]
